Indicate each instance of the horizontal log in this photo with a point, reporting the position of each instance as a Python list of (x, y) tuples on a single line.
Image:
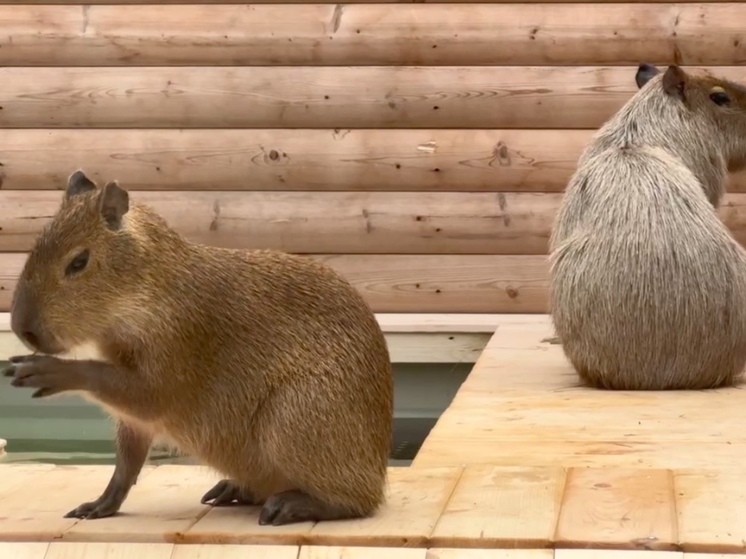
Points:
[(213, 2), (307, 97), (340, 222), (371, 34), (326, 222), (412, 283), (380, 160)]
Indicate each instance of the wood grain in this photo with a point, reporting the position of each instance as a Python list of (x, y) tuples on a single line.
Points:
[(580, 97), (408, 2), (341, 552), (24, 550), (372, 34), (419, 283), (501, 507), (415, 499), (455, 553), (154, 159), (109, 550), (632, 509), (363, 222), (227, 551), (711, 506)]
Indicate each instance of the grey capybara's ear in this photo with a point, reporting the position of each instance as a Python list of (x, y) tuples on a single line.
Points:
[(645, 72)]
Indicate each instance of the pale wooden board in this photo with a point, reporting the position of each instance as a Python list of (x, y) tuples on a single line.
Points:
[(417, 283), (23, 550), (618, 554), (523, 394), (35, 511), (403, 348), (338, 552), (711, 507), (159, 508), (227, 551), (481, 97), (604, 507), (13, 476), (103, 550), (415, 500), (501, 507), (454, 553), (318, 34)]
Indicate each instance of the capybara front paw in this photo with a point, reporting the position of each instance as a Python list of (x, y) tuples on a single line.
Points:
[(226, 492), (100, 508)]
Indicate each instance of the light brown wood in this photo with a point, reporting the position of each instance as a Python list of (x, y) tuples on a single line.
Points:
[(522, 405), (35, 510), (17, 475), (415, 499), (227, 551), (408, 2), (363, 222), (370, 34), (102, 550), (411, 283), (337, 552), (171, 494), (454, 553), (399, 159), (619, 554), (628, 509), (501, 507), (325, 97), (711, 506), (23, 550)]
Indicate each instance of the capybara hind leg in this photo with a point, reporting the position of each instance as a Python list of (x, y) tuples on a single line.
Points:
[(227, 492), (288, 507)]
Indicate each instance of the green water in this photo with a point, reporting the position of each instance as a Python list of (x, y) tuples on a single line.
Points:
[(70, 430)]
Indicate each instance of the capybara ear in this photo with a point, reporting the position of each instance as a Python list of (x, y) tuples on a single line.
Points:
[(114, 202), (645, 72), (674, 82), (79, 183)]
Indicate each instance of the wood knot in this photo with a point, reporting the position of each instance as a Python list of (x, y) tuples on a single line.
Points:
[(273, 155), (512, 293)]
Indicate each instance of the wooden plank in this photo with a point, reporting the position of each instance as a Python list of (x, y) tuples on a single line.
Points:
[(501, 507), (23, 550), (408, 2), (415, 500), (711, 505), (618, 554), (318, 97), (35, 511), (159, 508), (454, 553), (399, 159), (204, 551), (371, 34), (364, 222), (338, 552), (13, 476), (627, 509), (522, 394), (411, 283), (109, 550)]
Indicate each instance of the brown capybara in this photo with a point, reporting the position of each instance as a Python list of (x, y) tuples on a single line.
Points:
[(268, 367), (647, 285)]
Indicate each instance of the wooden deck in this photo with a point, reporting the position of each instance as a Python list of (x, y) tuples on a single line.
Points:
[(523, 465)]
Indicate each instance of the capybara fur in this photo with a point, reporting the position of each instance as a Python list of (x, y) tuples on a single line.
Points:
[(267, 367), (647, 285)]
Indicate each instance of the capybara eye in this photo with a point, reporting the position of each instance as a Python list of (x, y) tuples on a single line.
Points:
[(78, 263), (720, 97)]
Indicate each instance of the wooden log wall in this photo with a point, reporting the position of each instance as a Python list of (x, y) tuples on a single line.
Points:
[(419, 147)]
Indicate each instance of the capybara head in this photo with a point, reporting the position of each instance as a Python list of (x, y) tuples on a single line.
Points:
[(79, 273), (721, 102)]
